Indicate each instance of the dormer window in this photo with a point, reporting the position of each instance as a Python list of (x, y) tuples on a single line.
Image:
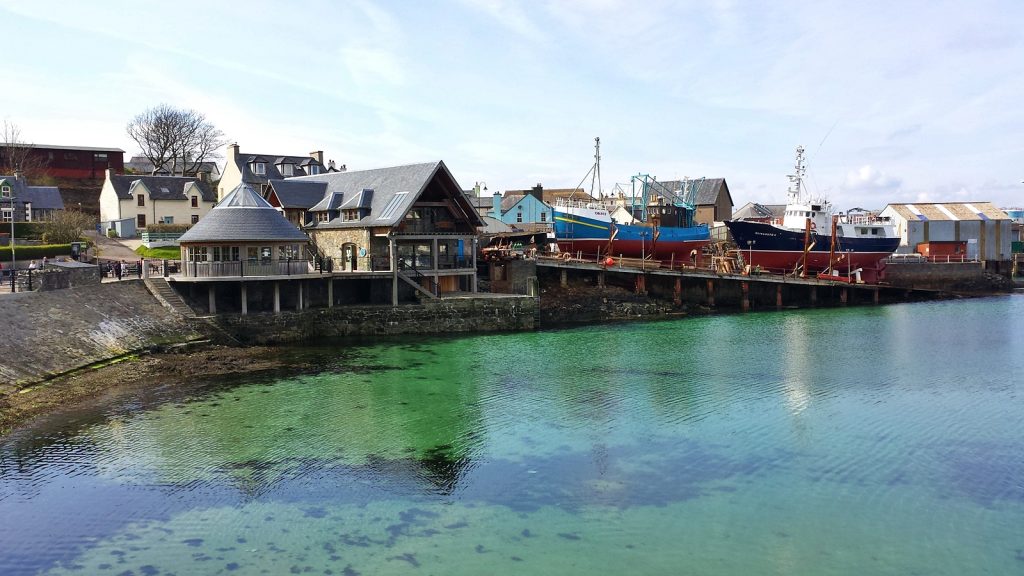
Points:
[(314, 169), (259, 168), (5, 191), (287, 170)]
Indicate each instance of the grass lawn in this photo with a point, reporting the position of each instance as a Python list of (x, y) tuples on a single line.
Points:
[(163, 252)]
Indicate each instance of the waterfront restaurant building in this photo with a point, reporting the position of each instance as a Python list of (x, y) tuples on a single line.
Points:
[(243, 236)]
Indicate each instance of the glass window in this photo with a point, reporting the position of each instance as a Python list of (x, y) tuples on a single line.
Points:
[(5, 191), (195, 218), (140, 221), (287, 170), (266, 252), (215, 252), (198, 253), (7, 212), (252, 253), (235, 250), (543, 216), (259, 168), (314, 169), (195, 201), (141, 198)]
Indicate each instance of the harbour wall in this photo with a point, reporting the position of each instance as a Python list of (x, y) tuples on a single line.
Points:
[(454, 315), (53, 332), (951, 277)]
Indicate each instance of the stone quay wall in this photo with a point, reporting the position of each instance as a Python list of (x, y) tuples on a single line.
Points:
[(456, 315), (951, 277), (53, 332)]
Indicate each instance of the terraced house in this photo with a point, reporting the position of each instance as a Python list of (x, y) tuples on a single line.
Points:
[(257, 170)]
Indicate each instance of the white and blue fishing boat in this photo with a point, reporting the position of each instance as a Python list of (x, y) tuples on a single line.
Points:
[(809, 238)]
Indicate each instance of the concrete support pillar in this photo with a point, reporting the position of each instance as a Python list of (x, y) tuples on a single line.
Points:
[(565, 278), (677, 292), (842, 295), (277, 297), (778, 296), (600, 279), (298, 298), (711, 293), (145, 270), (745, 303), (330, 292), (814, 296), (874, 295), (211, 290), (245, 299)]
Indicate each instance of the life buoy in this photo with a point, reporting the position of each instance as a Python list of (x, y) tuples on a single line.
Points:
[(813, 226), (566, 256)]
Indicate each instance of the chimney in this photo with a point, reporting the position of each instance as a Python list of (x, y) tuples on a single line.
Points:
[(318, 156), (496, 205), (18, 175), (108, 173), (330, 166), (233, 152), (537, 192)]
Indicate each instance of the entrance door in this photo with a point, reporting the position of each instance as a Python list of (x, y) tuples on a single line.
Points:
[(349, 257)]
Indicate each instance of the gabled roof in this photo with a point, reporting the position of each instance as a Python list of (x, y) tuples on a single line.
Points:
[(949, 211), (161, 187), (298, 193), (708, 190), (142, 165), (395, 189), (271, 163), (41, 197), (757, 211), (516, 200), (243, 215)]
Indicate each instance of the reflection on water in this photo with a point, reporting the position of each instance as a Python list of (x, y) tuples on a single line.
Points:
[(809, 442)]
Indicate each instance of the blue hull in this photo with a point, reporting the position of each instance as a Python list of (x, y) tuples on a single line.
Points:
[(590, 236), (774, 248)]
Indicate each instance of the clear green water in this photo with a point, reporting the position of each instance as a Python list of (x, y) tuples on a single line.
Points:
[(882, 440)]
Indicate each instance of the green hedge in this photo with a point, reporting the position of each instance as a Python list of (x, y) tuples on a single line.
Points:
[(158, 227), (35, 252), (24, 230)]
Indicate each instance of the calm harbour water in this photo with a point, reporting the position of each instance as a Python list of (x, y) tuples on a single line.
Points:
[(869, 440)]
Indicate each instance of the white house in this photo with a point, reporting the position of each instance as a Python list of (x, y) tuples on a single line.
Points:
[(154, 199)]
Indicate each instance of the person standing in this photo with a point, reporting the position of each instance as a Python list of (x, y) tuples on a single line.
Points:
[(117, 269)]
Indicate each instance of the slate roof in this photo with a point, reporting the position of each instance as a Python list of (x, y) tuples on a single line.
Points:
[(243, 215), (41, 197), (950, 211), (298, 193), (708, 191), (330, 202), (395, 189), (362, 199), (755, 210), (161, 187), (301, 163)]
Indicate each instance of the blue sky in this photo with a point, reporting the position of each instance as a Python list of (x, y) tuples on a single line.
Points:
[(895, 101)]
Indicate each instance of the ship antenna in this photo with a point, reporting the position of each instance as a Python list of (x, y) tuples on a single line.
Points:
[(797, 178)]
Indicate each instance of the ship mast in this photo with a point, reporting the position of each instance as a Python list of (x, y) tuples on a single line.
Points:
[(597, 168), (796, 179)]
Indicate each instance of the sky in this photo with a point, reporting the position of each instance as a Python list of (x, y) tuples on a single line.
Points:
[(894, 101)]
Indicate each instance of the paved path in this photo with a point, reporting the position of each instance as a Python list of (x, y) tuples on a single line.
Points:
[(110, 248)]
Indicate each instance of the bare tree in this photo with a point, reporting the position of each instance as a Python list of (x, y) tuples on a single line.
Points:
[(174, 140), (67, 226), (16, 155)]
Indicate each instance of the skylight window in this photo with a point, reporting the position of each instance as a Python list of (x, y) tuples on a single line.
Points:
[(392, 206)]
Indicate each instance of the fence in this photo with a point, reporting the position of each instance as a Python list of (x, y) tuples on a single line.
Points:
[(244, 268)]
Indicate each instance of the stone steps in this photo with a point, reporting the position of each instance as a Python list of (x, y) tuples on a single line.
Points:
[(168, 297)]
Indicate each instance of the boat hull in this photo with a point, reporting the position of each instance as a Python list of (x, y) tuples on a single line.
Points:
[(577, 233), (776, 249)]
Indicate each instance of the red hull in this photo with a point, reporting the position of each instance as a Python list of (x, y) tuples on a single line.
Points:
[(871, 263)]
